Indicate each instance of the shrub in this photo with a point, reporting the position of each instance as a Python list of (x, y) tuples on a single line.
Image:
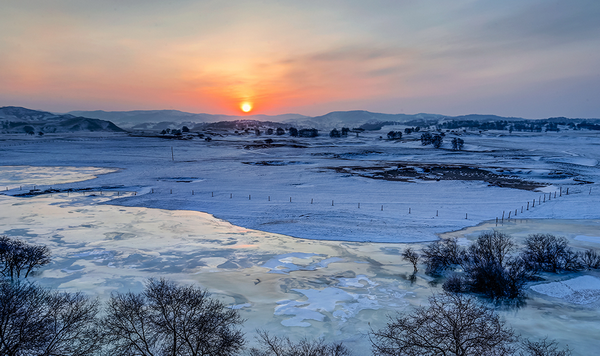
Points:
[(442, 255), (546, 252), (590, 259)]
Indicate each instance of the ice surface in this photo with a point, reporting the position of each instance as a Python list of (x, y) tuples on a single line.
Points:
[(151, 223), (594, 239), (579, 290)]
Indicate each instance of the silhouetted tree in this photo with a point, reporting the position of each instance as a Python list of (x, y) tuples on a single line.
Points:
[(457, 144), (544, 347), (334, 133), (269, 131), (35, 321), (17, 256), (283, 346), (293, 132), (167, 319), (426, 138), (394, 135), (590, 259), (453, 324), (185, 129), (280, 131), (442, 255), (345, 131), (410, 255), (549, 253), (437, 141)]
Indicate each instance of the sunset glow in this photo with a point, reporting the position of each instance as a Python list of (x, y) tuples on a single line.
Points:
[(246, 107), (303, 57)]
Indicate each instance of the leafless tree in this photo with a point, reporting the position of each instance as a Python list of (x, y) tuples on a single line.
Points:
[(549, 253), (167, 319), (544, 347), (452, 325), (283, 346), (17, 256), (442, 255), (590, 259), (35, 321), (413, 257)]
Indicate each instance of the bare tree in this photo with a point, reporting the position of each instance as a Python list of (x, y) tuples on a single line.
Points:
[(590, 259), (544, 347), (442, 255), (167, 319), (17, 256), (549, 253), (452, 325), (34, 321), (413, 257), (283, 346)]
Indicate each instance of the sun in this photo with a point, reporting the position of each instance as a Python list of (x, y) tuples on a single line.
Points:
[(246, 107)]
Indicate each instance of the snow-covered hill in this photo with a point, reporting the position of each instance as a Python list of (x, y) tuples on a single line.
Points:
[(22, 120)]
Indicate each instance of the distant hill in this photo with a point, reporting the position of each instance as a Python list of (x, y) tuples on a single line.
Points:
[(161, 119), (15, 119), (356, 118)]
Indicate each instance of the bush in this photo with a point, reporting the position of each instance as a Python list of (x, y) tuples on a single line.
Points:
[(275, 346), (490, 269), (452, 325), (442, 255), (546, 252), (590, 259), (170, 319)]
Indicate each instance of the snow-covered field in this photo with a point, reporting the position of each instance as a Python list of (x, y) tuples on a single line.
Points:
[(286, 241)]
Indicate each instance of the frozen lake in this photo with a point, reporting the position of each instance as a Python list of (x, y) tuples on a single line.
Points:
[(135, 213)]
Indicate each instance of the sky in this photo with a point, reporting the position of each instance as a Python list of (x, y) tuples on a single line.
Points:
[(523, 58)]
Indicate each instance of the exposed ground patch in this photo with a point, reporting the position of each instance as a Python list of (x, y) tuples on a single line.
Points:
[(408, 172)]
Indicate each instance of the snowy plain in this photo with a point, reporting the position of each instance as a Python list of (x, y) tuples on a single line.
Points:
[(278, 233)]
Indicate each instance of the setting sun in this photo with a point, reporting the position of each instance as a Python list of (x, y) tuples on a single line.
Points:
[(246, 107)]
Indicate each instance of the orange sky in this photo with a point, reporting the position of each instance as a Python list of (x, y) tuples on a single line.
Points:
[(308, 57)]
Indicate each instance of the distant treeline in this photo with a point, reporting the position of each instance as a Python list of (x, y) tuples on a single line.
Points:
[(551, 124)]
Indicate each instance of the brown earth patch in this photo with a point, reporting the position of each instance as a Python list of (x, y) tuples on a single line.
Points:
[(419, 171)]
